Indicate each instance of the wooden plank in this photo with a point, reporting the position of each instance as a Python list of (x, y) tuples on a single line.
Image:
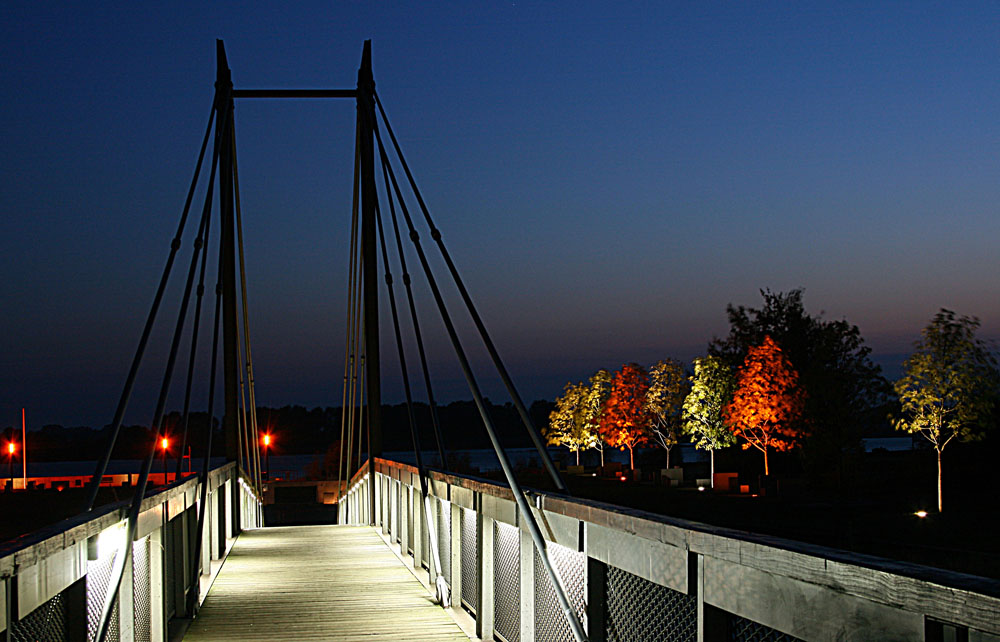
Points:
[(318, 582)]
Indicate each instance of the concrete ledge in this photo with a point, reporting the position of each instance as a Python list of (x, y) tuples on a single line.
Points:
[(804, 610), (864, 588)]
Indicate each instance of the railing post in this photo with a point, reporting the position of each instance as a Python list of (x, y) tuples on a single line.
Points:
[(126, 603), (596, 599), (527, 551), (157, 596), (485, 562), (456, 553)]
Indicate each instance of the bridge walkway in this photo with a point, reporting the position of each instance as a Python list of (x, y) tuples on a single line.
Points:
[(318, 583)]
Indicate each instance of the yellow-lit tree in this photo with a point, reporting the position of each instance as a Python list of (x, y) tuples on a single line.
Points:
[(569, 424), (767, 402), (949, 387), (667, 389)]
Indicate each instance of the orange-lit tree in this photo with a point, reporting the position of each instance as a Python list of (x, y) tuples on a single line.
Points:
[(768, 401), (624, 420)]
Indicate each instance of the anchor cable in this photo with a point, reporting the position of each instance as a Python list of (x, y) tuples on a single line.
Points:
[(118, 567), (435, 423), (175, 245), (442, 589), (519, 495), (480, 326)]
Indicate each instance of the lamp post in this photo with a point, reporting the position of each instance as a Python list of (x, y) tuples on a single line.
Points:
[(164, 444), (267, 454), (11, 449)]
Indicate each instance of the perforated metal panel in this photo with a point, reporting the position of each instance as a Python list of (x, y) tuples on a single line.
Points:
[(46, 623), (550, 621), (98, 579), (642, 611), (506, 582), (141, 590), (470, 569), (444, 538), (744, 630)]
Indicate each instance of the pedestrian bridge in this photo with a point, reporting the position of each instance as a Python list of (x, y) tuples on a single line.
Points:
[(629, 575)]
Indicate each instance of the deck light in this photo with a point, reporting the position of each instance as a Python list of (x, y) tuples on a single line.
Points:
[(921, 514)]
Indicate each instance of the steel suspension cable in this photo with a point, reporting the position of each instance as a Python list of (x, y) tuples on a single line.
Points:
[(348, 354), (175, 245), (246, 315), (413, 318), (199, 293), (196, 558), (363, 409), (480, 326), (118, 567), (443, 592), (243, 427), (519, 496)]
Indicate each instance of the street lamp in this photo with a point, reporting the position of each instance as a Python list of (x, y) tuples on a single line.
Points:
[(267, 457), (164, 444), (11, 449)]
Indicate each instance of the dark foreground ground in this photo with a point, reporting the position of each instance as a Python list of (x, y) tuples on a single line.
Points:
[(872, 512)]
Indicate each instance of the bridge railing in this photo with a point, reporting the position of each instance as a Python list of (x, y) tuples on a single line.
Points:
[(633, 575), (55, 580)]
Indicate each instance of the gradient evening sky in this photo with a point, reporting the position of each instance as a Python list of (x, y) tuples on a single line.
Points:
[(608, 176)]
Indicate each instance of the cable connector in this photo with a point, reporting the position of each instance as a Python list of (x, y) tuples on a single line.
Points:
[(443, 592)]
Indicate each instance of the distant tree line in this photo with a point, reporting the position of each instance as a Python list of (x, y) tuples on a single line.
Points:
[(296, 430)]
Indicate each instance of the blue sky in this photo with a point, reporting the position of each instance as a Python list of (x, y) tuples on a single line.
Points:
[(608, 176)]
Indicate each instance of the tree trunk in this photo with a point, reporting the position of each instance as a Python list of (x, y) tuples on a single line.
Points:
[(577, 456), (631, 458), (602, 457), (766, 470), (711, 468), (668, 457), (940, 503)]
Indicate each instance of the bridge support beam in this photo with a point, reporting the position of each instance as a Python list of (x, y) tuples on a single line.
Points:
[(369, 263), (227, 249)]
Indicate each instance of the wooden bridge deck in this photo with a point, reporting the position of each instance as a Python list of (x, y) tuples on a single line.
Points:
[(318, 583)]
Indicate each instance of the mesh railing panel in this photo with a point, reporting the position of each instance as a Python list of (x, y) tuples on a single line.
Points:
[(47, 623), (550, 621), (444, 538), (141, 598), (743, 630), (98, 579), (642, 611), (506, 582), (470, 569)]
